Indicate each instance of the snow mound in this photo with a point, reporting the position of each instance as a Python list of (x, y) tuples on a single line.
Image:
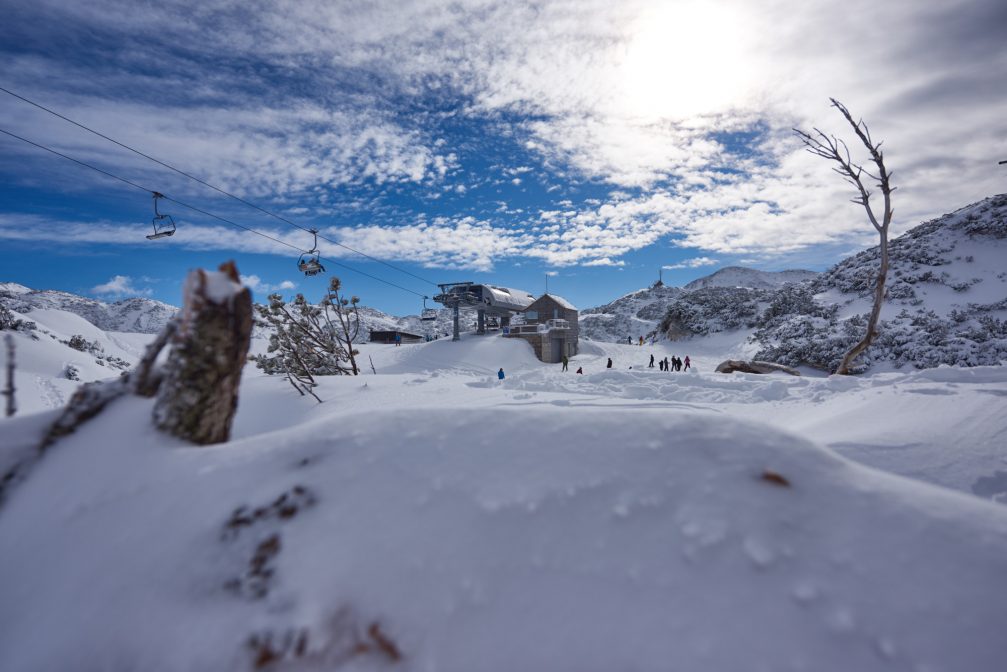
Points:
[(491, 539)]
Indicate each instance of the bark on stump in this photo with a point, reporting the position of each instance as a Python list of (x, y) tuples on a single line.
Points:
[(198, 395)]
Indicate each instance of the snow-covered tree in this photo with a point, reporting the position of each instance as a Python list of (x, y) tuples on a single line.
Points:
[(309, 340), (834, 149)]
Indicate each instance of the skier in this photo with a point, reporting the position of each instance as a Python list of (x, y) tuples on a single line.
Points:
[(687, 362), (398, 340), (678, 364), (609, 365), (500, 373), (667, 366), (651, 365), (641, 341), (660, 364), (580, 369), (566, 363), (629, 340)]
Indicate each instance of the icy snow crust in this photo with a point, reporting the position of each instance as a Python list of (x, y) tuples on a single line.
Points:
[(610, 521)]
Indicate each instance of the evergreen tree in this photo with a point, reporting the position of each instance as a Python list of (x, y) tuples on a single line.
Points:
[(309, 340)]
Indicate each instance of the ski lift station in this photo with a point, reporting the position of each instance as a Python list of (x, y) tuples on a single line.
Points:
[(549, 323)]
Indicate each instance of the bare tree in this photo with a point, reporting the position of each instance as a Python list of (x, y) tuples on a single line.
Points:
[(834, 149), (347, 324)]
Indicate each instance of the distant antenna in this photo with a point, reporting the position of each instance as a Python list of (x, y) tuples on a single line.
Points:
[(546, 283)]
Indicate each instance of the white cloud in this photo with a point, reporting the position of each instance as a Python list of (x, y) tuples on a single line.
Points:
[(605, 83), (120, 286), (697, 262), (255, 283)]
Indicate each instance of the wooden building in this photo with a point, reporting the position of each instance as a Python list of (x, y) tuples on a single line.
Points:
[(551, 325), (389, 337)]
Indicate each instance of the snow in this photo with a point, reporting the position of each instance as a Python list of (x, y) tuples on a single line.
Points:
[(625, 518), (611, 520)]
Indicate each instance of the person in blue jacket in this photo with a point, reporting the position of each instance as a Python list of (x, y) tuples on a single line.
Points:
[(500, 373)]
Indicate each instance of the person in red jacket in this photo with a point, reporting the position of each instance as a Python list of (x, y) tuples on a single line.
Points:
[(687, 362)]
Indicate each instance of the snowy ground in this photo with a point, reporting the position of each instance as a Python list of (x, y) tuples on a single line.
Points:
[(437, 518)]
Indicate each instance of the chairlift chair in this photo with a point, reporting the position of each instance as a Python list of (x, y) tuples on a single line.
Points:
[(164, 225), (308, 263), (428, 314)]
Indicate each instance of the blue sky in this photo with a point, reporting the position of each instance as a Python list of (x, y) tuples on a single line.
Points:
[(596, 142)]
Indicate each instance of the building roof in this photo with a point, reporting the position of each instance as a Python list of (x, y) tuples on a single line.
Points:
[(560, 300), (505, 295)]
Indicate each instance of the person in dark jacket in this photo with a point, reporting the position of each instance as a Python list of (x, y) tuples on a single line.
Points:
[(609, 365), (500, 373), (566, 363), (580, 369), (629, 340), (651, 365), (667, 365)]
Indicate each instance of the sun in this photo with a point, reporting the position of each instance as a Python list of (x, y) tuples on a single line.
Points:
[(686, 59)]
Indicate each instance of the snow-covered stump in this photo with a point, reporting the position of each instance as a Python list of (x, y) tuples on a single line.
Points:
[(198, 395)]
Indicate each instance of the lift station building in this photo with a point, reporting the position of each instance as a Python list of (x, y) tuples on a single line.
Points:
[(550, 325)]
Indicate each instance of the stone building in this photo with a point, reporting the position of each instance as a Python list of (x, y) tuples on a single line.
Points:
[(550, 324)]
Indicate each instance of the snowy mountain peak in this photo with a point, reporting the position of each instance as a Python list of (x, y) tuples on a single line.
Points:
[(13, 288), (135, 315), (738, 276)]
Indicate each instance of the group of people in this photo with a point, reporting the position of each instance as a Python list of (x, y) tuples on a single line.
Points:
[(675, 364)]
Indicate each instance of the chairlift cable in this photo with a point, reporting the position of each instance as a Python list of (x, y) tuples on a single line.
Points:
[(207, 184), (199, 210)]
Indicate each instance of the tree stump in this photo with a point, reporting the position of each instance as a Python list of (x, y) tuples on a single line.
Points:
[(198, 395)]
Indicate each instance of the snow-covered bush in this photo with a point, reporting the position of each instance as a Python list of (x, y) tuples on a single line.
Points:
[(81, 344), (707, 311), (71, 372), (8, 322), (308, 340), (94, 348)]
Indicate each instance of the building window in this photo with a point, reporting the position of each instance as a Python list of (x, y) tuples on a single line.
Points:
[(531, 314)]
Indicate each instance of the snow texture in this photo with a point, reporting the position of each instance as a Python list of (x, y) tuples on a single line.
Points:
[(620, 519)]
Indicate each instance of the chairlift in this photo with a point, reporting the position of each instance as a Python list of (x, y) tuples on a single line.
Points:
[(308, 262), (164, 225), (428, 314)]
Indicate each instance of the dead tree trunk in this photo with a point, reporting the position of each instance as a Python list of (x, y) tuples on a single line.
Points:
[(11, 405), (198, 395), (831, 148)]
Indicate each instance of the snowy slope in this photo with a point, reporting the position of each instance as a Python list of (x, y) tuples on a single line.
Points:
[(63, 350), (611, 521), (946, 300), (737, 276)]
